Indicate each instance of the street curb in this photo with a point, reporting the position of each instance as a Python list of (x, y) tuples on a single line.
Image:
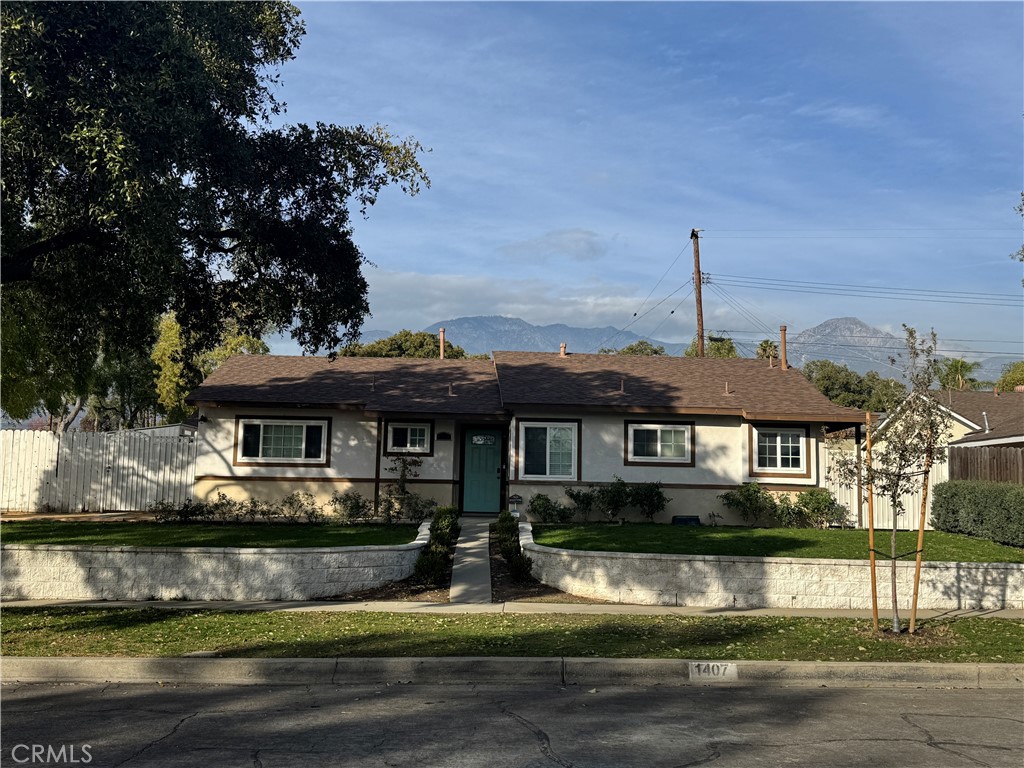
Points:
[(485, 670)]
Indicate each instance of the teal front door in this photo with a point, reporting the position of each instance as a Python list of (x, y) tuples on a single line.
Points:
[(481, 477)]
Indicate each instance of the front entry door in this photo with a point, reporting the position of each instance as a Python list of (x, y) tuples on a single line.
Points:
[(482, 476)]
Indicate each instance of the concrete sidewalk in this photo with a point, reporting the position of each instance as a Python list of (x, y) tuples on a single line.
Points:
[(511, 608), (471, 570)]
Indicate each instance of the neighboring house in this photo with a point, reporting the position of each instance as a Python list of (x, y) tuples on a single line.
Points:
[(522, 424), (984, 418)]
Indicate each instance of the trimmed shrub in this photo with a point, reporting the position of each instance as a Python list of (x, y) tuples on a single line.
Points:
[(507, 526), (445, 528), (754, 504), (821, 510), (542, 508), (431, 566), (520, 568), (648, 498), (351, 506), (584, 500), (993, 511), (612, 499), (189, 512), (301, 507)]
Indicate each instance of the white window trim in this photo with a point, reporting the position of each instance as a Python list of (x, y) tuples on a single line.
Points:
[(661, 459), (324, 436), (390, 446), (804, 448), (573, 426)]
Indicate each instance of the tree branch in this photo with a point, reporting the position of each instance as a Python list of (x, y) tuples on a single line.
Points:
[(19, 266)]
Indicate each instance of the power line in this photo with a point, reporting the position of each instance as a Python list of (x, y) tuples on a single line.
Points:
[(637, 318), (876, 295), (927, 291)]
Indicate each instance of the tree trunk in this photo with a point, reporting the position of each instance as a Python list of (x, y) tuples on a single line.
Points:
[(67, 419), (895, 602)]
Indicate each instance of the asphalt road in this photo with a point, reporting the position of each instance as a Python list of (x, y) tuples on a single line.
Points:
[(509, 725)]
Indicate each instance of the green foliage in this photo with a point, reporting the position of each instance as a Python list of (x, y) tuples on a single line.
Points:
[(351, 506), (176, 376), (301, 507), (123, 394), (520, 566), (298, 507), (583, 499), (434, 563), (146, 168), (955, 373), (613, 498), (544, 509), (641, 348), (821, 509), (397, 502), (753, 503), (993, 511), (768, 349), (714, 346), (844, 386), (406, 344), (648, 498), (1012, 376)]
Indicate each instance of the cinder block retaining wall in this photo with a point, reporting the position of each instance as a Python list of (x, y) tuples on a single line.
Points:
[(194, 573), (768, 582)]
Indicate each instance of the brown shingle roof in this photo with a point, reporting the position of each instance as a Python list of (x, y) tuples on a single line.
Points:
[(396, 385), (742, 387), (680, 384), (1005, 413)]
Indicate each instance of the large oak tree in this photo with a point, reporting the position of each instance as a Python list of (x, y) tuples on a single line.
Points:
[(142, 173)]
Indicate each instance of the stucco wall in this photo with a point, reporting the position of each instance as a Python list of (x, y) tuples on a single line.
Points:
[(167, 573), (767, 582)]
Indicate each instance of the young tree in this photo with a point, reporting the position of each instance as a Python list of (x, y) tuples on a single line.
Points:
[(406, 344), (955, 373), (641, 348), (906, 445), (141, 174)]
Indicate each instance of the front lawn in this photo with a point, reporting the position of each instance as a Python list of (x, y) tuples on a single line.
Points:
[(204, 534), (323, 634), (767, 542)]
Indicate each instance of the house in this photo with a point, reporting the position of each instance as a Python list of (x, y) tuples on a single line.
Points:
[(984, 418), (520, 424)]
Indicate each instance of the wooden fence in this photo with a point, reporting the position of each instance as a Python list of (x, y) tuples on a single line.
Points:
[(1000, 463), (96, 472), (911, 515)]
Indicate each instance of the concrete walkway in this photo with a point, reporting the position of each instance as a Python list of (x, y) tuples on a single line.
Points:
[(471, 572)]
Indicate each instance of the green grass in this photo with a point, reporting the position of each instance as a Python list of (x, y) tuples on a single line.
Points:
[(157, 632), (203, 534), (768, 542)]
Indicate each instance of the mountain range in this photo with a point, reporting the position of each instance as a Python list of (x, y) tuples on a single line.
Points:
[(844, 340)]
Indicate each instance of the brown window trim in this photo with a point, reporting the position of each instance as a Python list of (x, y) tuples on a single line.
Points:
[(429, 423), (579, 449), (627, 462), (752, 469), (237, 461)]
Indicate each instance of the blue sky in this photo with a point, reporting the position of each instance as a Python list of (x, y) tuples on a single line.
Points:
[(575, 145)]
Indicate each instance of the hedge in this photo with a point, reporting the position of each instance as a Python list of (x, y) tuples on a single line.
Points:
[(987, 510)]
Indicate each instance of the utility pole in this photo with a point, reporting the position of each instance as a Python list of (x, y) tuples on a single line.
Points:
[(696, 291)]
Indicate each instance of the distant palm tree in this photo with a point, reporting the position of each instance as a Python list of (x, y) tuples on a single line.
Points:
[(955, 373), (767, 349)]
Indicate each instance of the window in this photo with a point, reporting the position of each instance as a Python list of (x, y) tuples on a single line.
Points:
[(408, 438), (298, 442), (780, 450), (548, 450), (659, 443)]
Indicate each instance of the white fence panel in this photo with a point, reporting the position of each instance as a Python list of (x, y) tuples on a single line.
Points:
[(911, 516), (116, 471)]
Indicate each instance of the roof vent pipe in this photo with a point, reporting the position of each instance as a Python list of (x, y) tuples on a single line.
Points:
[(440, 335), (561, 352), (783, 362), (984, 417)]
